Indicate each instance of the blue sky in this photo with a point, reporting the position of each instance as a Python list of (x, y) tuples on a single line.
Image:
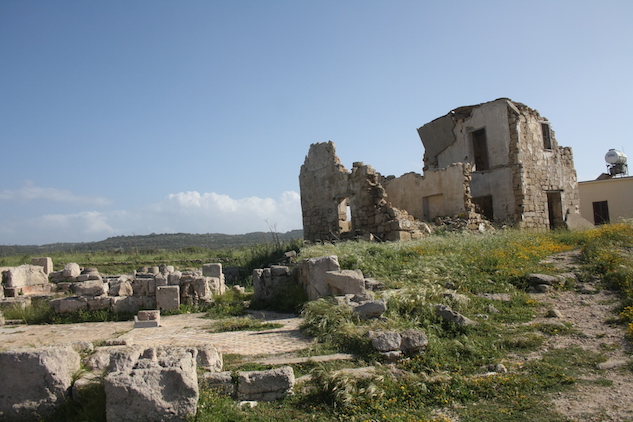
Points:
[(138, 117)]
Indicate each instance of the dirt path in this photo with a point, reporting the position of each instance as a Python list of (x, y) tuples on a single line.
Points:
[(605, 394)]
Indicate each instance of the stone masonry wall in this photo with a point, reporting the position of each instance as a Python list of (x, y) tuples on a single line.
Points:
[(328, 189), (537, 171)]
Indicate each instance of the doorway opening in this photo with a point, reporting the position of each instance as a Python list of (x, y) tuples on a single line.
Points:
[(601, 212), (483, 205), (555, 210)]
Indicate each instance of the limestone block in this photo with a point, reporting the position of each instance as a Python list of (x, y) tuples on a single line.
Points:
[(90, 288), (160, 280), (212, 270), (111, 357), (56, 276), (219, 381), (217, 285), (344, 282), (312, 273), (69, 304), (168, 298), (24, 275), (147, 302), (202, 288), (141, 286), (371, 309), (413, 341), (268, 385), (121, 288), (209, 358), (71, 270), (385, 341), (165, 389), (448, 315), (45, 262), (279, 271), (99, 302), (35, 381), (127, 304), (147, 319), (173, 279)]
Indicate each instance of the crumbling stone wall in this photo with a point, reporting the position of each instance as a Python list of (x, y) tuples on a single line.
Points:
[(499, 159), (518, 170), (337, 203), (443, 192), (537, 171)]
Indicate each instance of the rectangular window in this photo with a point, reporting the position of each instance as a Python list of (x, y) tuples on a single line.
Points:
[(600, 212), (480, 150), (547, 139)]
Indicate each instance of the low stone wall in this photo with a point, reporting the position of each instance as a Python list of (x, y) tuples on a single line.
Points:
[(163, 288)]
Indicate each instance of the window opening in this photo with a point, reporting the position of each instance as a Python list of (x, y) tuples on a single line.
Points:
[(547, 139), (600, 212), (480, 150), (344, 216)]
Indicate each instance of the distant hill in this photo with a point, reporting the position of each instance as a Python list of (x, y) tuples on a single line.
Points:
[(154, 241)]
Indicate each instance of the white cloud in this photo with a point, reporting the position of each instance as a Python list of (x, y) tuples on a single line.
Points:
[(31, 192), (187, 212)]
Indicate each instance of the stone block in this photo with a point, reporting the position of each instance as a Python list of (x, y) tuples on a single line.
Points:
[(268, 385), (385, 341), (126, 304), (312, 275), (71, 270), (24, 275), (168, 298), (121, 288), (45, 262), (173, 279), (209, 358), (344, 282), (69, 304), (221, 382), (212, 270), (35, 382), (98, 303), (162, 389), (371, 309), (90, 288)]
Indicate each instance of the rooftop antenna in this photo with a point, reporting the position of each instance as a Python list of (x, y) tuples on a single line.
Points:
[(616, 163)]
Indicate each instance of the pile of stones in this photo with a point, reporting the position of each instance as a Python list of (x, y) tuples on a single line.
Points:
[(140, 383)]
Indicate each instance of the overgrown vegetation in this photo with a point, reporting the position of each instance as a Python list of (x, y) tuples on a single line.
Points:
[(453, 376)]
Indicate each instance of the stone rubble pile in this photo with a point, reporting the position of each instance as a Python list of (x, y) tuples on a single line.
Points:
[(141, 383), (162, 288)]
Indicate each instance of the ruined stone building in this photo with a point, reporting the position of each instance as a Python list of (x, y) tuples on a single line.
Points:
[(498, 159)]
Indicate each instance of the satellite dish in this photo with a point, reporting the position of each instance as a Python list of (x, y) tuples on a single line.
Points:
[(616, 162)]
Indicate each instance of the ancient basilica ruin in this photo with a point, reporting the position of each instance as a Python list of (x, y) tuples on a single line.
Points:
[(497, 160)]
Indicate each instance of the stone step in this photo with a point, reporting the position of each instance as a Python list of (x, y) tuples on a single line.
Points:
[(292, 361)]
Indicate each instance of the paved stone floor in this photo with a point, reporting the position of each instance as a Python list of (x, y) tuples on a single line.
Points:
[(175, 330)]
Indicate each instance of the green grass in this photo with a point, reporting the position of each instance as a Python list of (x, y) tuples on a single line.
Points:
[(245, 323), (451, 376)]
